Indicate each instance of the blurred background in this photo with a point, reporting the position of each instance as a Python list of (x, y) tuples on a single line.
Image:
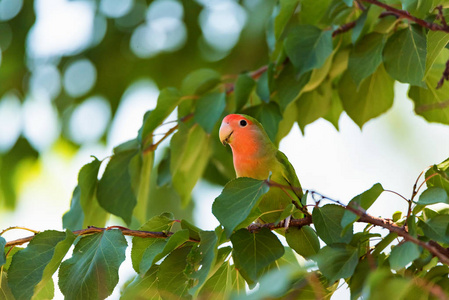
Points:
[(76, 78)]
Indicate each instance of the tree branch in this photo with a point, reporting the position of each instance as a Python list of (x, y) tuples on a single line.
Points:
[(433, 247), (365, 218), (406, 15), (93, 230)]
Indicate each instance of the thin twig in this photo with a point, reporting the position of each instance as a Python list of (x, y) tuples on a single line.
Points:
[(154, 146), (444, 77), (19, 227), (425, 180), (344, 28), (396, 193), (254, 75)]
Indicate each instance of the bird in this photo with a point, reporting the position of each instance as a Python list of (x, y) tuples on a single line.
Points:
[(255, 156)]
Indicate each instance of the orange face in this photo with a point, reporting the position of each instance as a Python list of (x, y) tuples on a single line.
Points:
[(234, 127), (247, 143)]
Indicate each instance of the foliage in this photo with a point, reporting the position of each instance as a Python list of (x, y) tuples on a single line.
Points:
[(320, 63)]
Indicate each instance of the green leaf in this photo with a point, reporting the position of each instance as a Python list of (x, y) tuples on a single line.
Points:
[(163, 170), (303, 240), (366, 56), (308, 47), (74, 218), (5, 291), (159, 223), (286, 11), (253, 252), (432, 103), (263, 87), (286, 124), (359, 24), (339, 63), (418, 8), (243, 88), (357, 280), (403, 254), (94, 215), (337, 262), (92, 271), (115, 193), (440, 180), (172, 282), (436, 228), (433, 195), (382, 285), (190, 152), (412, 227), (327, 221), (312, 11), (274, 284), (208, 253), (224, 281), (11, 254), (47, 291), (364, 201), (313, 105), (161, 248), (209, 109), (32, 268), (335, 110), (168, 100), (387, 240), (289, 87), (404, 55), (319, 75), (269, 115), (200, 81), (288, 211), (237, 200), (194, 232), (372, 98), (436, 42), (143, 288), (2, 251)]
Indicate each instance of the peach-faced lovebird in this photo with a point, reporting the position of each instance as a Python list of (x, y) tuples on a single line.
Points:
[(255, 156)]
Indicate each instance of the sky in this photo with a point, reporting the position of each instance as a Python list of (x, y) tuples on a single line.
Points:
[(392, 149)]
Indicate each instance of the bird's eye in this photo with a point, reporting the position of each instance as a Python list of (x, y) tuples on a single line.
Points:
[(243, 123)]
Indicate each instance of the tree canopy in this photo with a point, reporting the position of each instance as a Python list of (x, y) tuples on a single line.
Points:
[(296, 61)]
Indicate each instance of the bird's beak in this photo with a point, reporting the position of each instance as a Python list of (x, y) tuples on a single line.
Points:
[(225, 133)]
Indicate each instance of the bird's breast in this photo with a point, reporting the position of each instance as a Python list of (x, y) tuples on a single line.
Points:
[(257, 168)]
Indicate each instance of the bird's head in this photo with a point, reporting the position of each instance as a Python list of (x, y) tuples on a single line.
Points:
[(236, 127)]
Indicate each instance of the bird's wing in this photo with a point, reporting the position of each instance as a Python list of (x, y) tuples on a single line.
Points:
[(289, 174)]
